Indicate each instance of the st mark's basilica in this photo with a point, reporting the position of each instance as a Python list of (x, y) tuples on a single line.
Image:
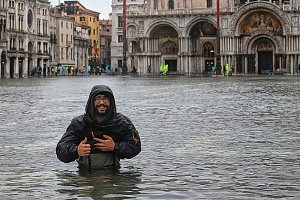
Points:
[(255, 36)]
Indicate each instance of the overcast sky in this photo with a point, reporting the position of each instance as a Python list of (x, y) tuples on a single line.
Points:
[(101, 6)]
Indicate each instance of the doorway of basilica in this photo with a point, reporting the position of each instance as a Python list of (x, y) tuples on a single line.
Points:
[(209, 64), (265, 49), (265, 62), (172, 65)]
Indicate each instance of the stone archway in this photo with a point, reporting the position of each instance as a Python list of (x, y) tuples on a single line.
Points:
[(202, 45), (264, 50), (201, 33), (165, 39), (261, 32)]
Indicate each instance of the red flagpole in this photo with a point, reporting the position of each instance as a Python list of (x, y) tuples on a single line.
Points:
[(218, 14), (124, 67), (124, 15), (218, 57)]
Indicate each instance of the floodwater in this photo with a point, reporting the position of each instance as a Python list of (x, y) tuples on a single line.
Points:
[(202, 138)]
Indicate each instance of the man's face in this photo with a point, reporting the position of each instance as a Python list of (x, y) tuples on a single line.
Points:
[(101, 104)]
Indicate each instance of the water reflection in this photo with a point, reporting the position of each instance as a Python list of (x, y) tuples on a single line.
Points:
[(107, 184)]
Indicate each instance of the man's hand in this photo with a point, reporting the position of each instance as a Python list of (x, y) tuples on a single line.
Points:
[(84, 149), (107, 144)]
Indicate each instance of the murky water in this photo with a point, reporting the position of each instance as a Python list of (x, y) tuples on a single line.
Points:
[(202, 138)]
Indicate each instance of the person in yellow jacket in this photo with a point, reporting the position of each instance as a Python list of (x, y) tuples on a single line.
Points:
[(227, 69), (166, 69), (161, 70)]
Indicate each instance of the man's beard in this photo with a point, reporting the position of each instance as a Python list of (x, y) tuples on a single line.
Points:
[(101, 113)]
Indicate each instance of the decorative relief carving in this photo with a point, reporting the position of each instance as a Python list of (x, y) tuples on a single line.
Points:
[(263, 34), (260, 21), (225, 23), (295, 21), (252, 6), (141, 25), (131, 32)]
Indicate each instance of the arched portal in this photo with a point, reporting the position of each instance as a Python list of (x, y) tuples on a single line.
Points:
[(202, 32), (3, 62), (261, 37), (202, 43), (264, 49), (167, 41)]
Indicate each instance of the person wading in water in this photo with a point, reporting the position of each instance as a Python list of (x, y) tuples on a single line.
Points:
[(100, 137)]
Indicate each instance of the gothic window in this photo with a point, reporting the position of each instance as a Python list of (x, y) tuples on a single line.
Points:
[(208, 50), (21, 21), (12, 43), (155, 4), (11, 4), (164, 32), (30, 47), (21, 44), (45, 27), (265, 46), (209, 3), (120, 21), (203, 29), (184, 4), (120, 38), (39, 26), (169, 47), (171, 4), (1, 28), (11, 21)]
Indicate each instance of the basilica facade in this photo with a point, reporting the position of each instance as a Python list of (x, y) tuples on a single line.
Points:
[(255, 36)]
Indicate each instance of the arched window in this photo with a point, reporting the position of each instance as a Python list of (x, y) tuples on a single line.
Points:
[(171, 4), (209, 3), (208, 50), (169, 48)]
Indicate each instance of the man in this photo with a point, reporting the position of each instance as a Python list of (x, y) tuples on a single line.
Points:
[(100, 137)]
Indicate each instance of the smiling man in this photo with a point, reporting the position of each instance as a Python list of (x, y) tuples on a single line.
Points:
[(100, 137)]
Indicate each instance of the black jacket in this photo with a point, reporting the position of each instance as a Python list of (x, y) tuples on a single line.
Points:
[(117, 126)]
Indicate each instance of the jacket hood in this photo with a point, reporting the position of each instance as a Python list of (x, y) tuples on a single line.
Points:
[(89, 108)]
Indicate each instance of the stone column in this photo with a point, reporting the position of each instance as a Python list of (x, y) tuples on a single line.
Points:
[(290, 64), (246, 65)]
